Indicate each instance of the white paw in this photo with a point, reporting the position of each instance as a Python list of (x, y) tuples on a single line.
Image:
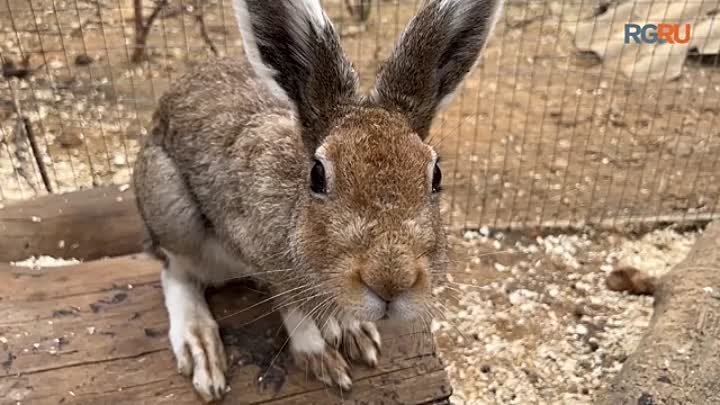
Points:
[(194, 337), (311, 352), (321, 352), (361, 342), (327, 366), (200, 353)]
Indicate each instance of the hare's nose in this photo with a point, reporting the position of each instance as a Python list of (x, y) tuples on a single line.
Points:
[(389, 286)]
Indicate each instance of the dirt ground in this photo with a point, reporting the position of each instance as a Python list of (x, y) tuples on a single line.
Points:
[(539, 133), (532, 322)]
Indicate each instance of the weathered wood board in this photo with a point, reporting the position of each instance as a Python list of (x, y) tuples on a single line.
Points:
[(96, 334), (85, 225)]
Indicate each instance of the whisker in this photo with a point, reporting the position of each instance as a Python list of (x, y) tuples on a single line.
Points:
[(327, 319), (426, 327), (499, 252), (453, 292), (242, 276), (429, 327), (461, 286), (274, 359), (421, 332), (414, 334), (446, 319), (272, 311), (287, 302), (261, 302)]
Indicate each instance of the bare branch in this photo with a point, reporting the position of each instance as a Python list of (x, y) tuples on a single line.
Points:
[(142, 28), (200, 19)]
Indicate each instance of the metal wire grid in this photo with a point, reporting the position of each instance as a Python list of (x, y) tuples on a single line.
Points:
[(540, 135)]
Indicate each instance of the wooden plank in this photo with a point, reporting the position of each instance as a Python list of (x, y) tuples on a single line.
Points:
[(678, 360), (95, 334), (85, 225), (76, 280)]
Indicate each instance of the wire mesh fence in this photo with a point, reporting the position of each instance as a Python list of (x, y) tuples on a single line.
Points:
[(542, 133)]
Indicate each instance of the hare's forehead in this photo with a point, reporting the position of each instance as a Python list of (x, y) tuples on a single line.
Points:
[(377, 151), (387, 174)]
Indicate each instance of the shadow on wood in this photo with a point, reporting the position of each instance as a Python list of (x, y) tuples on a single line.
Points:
[(96, 334)]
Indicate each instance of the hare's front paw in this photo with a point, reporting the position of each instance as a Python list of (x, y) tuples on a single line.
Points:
[(327, 365), (195, 338), (199, 353), (320, 351), (358, 341), (311, 352)]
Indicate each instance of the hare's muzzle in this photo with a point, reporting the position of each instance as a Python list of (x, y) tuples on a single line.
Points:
[(395, 292)]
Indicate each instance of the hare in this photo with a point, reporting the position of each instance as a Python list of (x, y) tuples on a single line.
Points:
[(276, 167)]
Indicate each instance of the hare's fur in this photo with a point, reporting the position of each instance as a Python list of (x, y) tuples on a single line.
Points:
[(223, 185)]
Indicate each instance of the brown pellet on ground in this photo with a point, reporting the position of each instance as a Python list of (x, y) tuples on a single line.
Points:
[(632, 280)]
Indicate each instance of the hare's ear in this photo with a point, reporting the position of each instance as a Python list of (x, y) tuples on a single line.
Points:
[(432, 57), (293, 48)]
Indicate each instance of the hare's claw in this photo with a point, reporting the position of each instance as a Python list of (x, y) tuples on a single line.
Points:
[(361, 342), (358, 341), (311, 351), (209, 362), (195, 338), (327, 366)]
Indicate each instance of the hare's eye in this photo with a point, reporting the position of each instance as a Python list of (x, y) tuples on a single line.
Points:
[(317, 178), (436, 179)]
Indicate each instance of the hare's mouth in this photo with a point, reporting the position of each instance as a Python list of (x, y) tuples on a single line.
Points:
[(400, 308)]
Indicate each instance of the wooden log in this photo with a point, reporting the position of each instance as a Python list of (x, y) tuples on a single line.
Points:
[(96, 333), (85, 225), (678, 360)]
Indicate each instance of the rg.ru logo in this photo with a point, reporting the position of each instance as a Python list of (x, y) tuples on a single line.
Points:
[(657, 33)]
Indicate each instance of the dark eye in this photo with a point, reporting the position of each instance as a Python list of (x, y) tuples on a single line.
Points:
[(436, 179), (317, 178)]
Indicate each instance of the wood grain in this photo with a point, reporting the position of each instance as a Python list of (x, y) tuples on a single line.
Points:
[(95, 334), (86, 225)]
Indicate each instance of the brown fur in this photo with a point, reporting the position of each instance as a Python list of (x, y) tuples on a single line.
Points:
[(226, 161), (244, 189), (223, 180), (382, 225)]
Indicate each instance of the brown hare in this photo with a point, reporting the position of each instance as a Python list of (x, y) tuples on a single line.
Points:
[(276, 167)]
